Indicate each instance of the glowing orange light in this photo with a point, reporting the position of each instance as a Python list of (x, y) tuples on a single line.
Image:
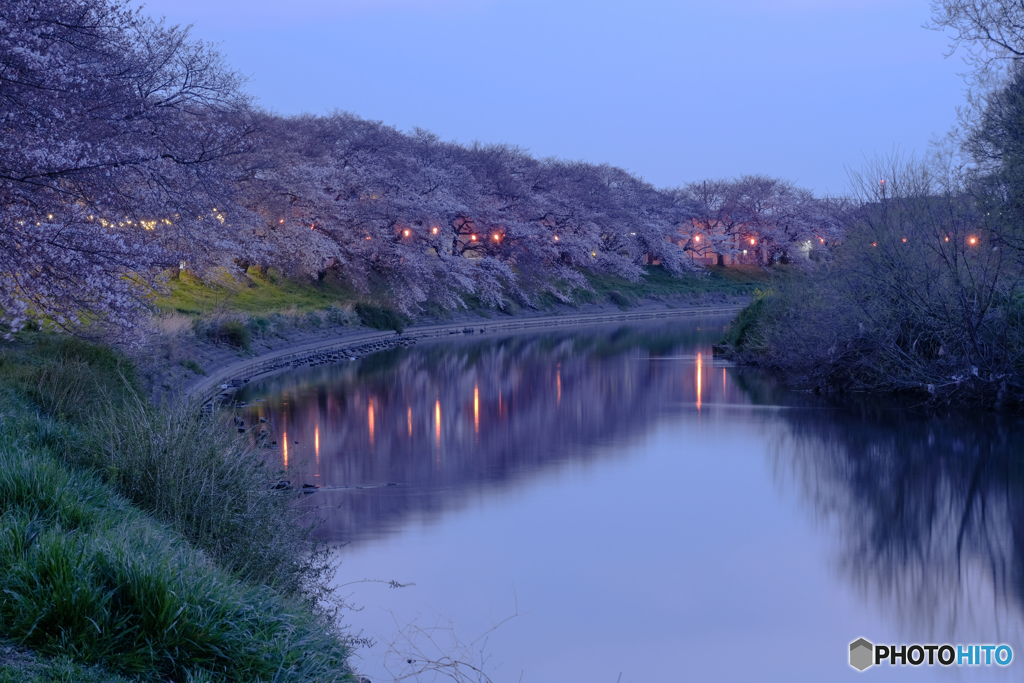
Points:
[(409, 420), (904, 240), (281, 221), (316, 443), (753, 241), (473, 237), (434, 231), (973, 240), (476, 408), (874, 244), (697, 238), (367, 237), (947, 239), (285, 442), (558, 380), (822, 241), (405, 233), (437, 420), (497, 238), (698, 380), (313, 227), (556, 238), (370, 419)]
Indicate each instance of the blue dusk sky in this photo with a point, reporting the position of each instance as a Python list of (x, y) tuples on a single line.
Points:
[(671, 91)]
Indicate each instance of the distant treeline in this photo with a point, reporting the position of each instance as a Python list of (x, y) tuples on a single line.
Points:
[(129, 149)]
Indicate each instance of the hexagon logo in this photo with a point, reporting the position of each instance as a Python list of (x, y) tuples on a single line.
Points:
[(862, 654)]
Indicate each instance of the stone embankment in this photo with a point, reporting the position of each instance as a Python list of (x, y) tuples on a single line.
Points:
[(223, 382)]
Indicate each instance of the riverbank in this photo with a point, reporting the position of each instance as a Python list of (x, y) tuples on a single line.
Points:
[(206, 326), (227, 371), (75, 410)]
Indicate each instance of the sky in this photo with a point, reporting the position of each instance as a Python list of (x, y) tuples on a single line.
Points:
[(672, 91)]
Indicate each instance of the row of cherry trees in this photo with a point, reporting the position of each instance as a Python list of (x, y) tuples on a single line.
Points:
[(438, 221), (115, 134), (128, 148)]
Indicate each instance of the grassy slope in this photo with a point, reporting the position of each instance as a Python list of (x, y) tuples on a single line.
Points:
[(659, 283), (262, 295), (255, 294), (89, 576)]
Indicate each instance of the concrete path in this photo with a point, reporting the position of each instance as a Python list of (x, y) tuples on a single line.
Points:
[(223, 380)]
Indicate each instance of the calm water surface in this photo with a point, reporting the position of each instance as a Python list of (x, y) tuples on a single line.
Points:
[(638, 508)]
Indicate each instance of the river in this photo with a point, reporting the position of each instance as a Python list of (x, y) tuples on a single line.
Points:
[(614, 504)]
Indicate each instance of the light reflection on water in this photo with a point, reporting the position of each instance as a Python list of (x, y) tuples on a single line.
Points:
[(649, 510)]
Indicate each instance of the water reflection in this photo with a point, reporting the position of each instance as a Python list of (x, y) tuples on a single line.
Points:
[(929, 511), (441, 422), (650, 457)]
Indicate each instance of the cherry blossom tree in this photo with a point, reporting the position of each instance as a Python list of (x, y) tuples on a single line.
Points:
[(114, 130)]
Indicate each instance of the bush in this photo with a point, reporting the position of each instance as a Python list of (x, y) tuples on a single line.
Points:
[(338, 315), (380, 317), (258, 325), (743, 334), (619, 299), (193, 366), (234, 333)]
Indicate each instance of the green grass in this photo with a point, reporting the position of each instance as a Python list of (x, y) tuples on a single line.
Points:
[(144, 539), (256, 295), (18, 665), (659, 283), (380, 317), (312, 304), (192, 365)]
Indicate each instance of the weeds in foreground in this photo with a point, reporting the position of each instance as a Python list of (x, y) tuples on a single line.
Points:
[(84, 574), (18, 665), (193, 472), (224, 591), (439, 650)]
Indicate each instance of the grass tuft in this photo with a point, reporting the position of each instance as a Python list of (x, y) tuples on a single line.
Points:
[(380, 317), (144, 539)]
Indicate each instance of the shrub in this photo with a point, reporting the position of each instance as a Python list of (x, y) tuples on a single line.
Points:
[(338, 315), (619, 299), (234, 333), (743, 334), (258, 325), (193, 366), (380, 317)]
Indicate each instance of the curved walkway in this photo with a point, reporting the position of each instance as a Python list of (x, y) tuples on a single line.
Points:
[(223, 381)]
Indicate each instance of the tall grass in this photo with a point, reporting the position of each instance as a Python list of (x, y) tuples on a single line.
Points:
[(147, 539), (194, 472)]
